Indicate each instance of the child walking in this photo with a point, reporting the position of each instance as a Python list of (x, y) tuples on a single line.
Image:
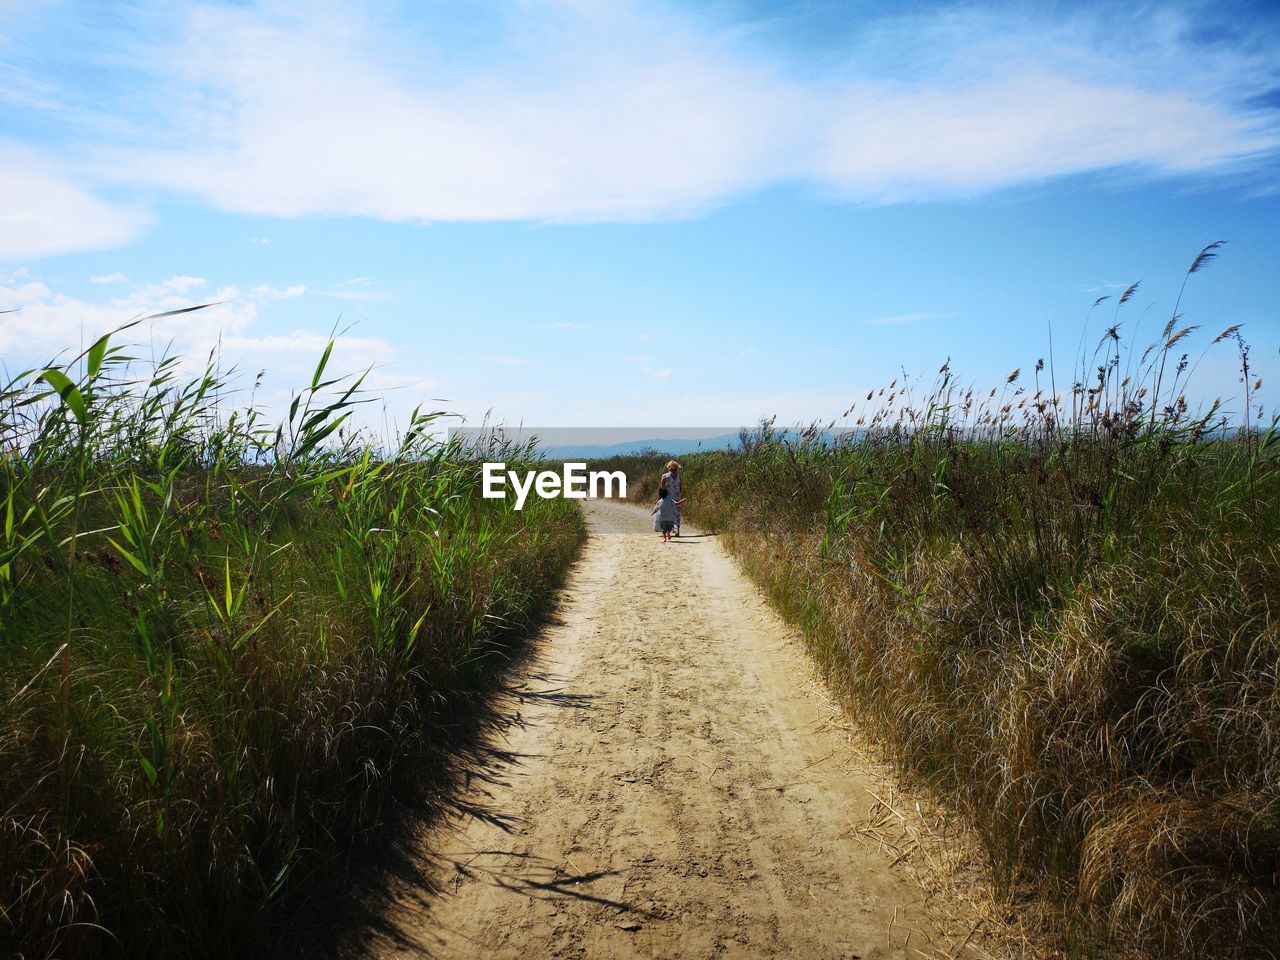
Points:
[(666, 510), (671, 480)]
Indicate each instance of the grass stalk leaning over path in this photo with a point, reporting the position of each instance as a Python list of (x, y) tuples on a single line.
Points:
[(224, 643)]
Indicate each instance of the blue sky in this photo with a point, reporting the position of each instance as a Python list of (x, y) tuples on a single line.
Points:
[(585, 212)]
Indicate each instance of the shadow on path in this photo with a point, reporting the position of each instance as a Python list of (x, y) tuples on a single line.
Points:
[(456, 779)]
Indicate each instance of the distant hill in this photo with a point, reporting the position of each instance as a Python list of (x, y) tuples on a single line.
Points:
[(571, 443), (669, 446), (681, 446)]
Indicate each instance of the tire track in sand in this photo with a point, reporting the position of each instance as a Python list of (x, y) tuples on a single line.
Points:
[(675, 789)]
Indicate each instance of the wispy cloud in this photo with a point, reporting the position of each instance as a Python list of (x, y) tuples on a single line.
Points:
[(105, 278), (44, 210), (646, 111), (618, 110), (271, 293), (567, 326)]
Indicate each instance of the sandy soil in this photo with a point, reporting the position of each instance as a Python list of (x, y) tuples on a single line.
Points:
[(674, 786)]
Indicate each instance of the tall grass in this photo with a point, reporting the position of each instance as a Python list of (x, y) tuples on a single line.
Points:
[(1059, 609), (223, 640)]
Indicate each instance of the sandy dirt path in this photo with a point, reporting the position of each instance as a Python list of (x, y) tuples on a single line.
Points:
[(674, 786)]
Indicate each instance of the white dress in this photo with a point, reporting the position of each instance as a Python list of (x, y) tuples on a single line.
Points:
[(672, 482)]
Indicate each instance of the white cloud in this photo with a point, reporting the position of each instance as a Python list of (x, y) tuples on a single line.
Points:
[(51, 326), (105, 278), (589, 113), (48, 325), (662, 376), (617, 111), (44, 212), (178, 284), (590, 110), (891, 144), (271, 293)]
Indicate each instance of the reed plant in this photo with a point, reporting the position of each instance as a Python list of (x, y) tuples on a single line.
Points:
[(226, 641), (1058, 609)]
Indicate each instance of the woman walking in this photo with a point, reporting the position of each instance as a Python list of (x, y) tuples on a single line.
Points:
[(671, 480)]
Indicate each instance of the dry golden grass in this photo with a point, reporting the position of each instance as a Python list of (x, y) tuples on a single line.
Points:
[(1058, 612)]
